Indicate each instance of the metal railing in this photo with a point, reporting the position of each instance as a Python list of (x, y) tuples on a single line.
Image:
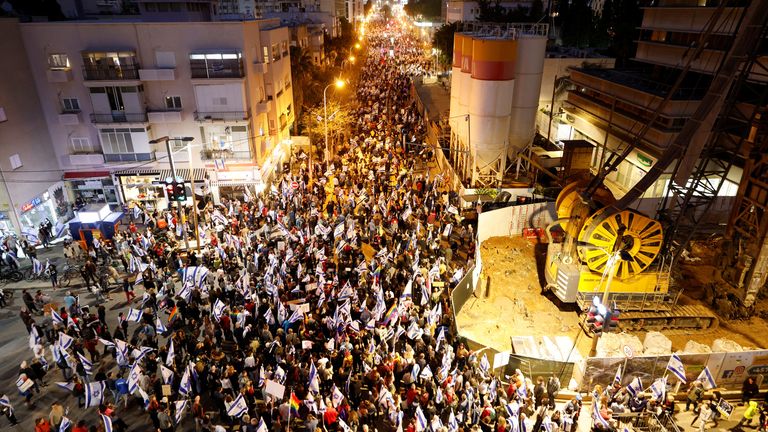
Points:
[(210, 154), (129, 157), (104, 73), (225, 71), (221, 115), (646, 422), (503, 30), (119, 118)]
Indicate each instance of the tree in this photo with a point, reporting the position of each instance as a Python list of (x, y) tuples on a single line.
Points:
[(443, 40), (302, 69), (340, 121)]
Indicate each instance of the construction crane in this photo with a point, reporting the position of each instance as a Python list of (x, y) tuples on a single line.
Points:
[(600, 229)]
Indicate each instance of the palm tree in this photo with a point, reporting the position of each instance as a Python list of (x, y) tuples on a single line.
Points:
[(301, 74)]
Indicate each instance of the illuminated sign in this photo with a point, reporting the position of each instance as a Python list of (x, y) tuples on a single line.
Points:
[(31, 204)]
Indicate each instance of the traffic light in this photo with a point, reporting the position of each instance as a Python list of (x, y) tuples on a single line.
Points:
[(612, 320), (180, 191), (170, 190), (595, 321)]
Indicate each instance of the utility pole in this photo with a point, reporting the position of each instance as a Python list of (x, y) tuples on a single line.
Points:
[(179, 207)]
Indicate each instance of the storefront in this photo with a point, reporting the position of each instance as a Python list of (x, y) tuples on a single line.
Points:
[(232, 182), (6, 225), (146, 186), (92, 187), (35, 211)]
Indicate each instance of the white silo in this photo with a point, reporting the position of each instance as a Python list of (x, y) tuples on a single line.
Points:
[(529, 65)]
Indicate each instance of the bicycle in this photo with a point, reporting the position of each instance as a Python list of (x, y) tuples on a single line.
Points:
[(43, 275), (68, 273)]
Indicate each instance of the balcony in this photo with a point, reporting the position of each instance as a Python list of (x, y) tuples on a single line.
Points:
[(86, 159), (221, 116), (111, 73), (59, 75), (129, 157), (211, 154), (69, 118), (161, 116), (217, 73), (157, 74), (119, 118)]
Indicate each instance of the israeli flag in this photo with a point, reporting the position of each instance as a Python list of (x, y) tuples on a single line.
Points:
[(426, 373), (706, 379), (171, 355), (87, 365), (281, 312), (37, 267), (139, 354), (181, 405), (336, 397), (339, 230), (617, 377), (485, 365), (56, 318), (94, 394), (314, 379), (65, 424), (677, 368), (185, 386), (65, 341), (107, 422), (635, 387), (121, 349), (134, 315), (421, 420), (261, 427), (5, 402), (658, 388), (513, 408), (414, 331), (436, 423), (66, 385), (167, 374), (415, 371), (218, 309), (297, 315), (159, 327), (598, 419), (238, 407), (186, 292), (133, 377), (440, 338), (453, 425)]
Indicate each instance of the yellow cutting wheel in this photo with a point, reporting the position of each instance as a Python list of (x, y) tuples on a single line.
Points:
[(641, 239)]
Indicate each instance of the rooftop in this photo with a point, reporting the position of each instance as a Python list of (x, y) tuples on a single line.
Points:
[(692, 88), (436, 97)]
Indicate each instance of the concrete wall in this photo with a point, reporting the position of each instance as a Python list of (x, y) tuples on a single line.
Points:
[(25, 132)]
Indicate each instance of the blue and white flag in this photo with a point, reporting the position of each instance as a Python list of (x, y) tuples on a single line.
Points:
[(87, 365), (139, 353), (453, 425), (107, 422), (65, 341), (658, 388), (336, 396), (436, 423), (181, 405), (238, 407), (421, 420), (66, 385), (282, 314), (314, 379), (185, 386), (56, 318), (133, 377), (617, 377), (167, 374), (414, 331), (171, 355), (195, 275), (597, 418), (262, 427), (269, 317), (415, 371), (677, 368), (706, 379), (65, 424), (159, 326), (426, 373), (37, 266), (134, 315), (5, 402), (94, 393), (485, 365), (297, 315), (440, 338), (218, 309), (513, 409), (635, 387)]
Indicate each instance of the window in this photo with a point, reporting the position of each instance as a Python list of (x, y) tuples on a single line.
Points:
[(220, 101), (15, 161), (70, 104), (116, 140), (275, 52), (284, 45), (265, 53), (173, 103), (58, 61), (216, 65), (81, 145)]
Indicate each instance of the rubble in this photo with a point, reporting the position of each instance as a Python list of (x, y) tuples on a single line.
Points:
[(656, 343), (726, 345)]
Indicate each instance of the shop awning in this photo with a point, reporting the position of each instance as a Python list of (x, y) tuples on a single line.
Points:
[(162, 174), (236, 182), (79, 175)]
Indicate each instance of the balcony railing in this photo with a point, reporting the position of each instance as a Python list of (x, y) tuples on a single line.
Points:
[(111, 73), (226, 71), (128, 157), (210, 154), (221, 115), (119, 118)]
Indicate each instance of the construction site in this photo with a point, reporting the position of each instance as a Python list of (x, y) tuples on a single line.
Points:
[(655, 237)]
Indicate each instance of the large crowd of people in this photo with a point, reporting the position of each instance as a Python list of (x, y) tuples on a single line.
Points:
[(319, 307)]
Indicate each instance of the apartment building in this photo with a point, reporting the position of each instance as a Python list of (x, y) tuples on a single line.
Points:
[(30, 180), (108, 89), (466, 11), (608, 107)]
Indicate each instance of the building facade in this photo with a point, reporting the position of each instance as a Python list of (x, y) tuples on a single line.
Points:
[(108, 89), (466, 11)]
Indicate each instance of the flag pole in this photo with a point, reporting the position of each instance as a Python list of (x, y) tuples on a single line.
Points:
[(290, 399)]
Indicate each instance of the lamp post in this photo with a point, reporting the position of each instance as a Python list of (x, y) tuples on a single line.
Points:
[(194, 200), (339, 84), (167, 141)]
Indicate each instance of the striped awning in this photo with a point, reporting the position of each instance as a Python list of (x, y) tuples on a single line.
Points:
[(162, 174)]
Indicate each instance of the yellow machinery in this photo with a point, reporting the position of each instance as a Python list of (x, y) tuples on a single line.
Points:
[(616, 250)]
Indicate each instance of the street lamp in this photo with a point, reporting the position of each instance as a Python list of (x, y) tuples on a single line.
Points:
[(339, 85), (167, 141)]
